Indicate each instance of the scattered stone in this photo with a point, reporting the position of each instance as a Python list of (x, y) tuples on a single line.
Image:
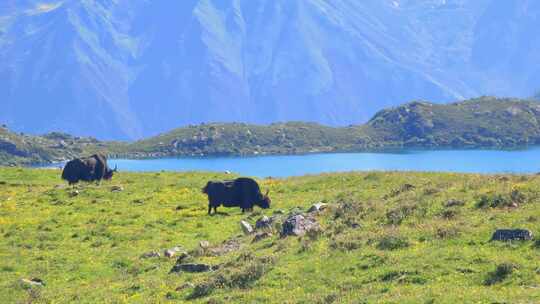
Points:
[(226, 247), (151, 254), (117, 189), (298, 225), (261, 236), (33, 282), (74, 193), (193, 268), (279, 211), (204, 244), (183, 257), (173, 251), (505, 235), (246, 227), (454, 203), (264, 223), (185, 286), (317, 207), (355, 225)]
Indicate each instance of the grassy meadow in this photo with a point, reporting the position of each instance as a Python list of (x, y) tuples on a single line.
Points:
[(386, 238)]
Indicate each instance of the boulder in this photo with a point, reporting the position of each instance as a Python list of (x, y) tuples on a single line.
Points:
[(193, 268), (505, 235), (117, 189), (226, 247), (204, 244), (172, 252), (264, 223), (246, 227), (151, 254), (33, 282), (317, 207), (298, 225), (454, 203), (185, 286), (261, 236)]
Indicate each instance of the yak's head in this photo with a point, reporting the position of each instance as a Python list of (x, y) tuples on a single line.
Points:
[(109, 173), (265, 201)]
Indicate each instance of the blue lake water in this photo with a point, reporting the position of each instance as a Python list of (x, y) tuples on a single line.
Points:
[(467, 161)]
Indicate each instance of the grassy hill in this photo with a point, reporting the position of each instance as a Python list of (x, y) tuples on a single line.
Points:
[(385, 238), (484, 122), (22, 149)]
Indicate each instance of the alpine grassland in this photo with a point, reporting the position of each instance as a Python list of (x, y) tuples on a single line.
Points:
[(384, 237)]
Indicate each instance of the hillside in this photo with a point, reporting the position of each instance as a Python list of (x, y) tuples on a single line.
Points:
[(113, 70), (21, 149), (485, 122), (477, 123), (383, 238)]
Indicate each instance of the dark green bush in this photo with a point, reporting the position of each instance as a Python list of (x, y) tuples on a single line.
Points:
[(392, 243), (501, 273)]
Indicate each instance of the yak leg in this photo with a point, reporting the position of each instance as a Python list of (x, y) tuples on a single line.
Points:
[(209, 209)]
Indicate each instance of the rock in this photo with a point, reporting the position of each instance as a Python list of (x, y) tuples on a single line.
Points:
[(151, 254), (117, 189), (74, 193), (183, 257), (226, 247), (193, 268), (261, 236), (173, 251), (264, 223), (355, 225), (33, 282), (512, 235), (246, 227), (279, 211), (204, 244), (317, 207), (454, 203), (298, 225), (185, 286)]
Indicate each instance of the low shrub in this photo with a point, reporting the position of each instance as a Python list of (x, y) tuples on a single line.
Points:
[(501, 273), (392, 243)]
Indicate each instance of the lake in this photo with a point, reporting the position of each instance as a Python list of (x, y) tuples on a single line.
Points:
[(466, 161)]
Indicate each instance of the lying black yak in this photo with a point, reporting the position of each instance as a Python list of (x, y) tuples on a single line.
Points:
[(89, 169), (242, 192)]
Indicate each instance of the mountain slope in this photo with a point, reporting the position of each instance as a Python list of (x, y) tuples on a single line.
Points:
[(125, 69)]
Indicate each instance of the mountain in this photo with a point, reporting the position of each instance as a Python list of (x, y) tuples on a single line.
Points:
[(130, 69)]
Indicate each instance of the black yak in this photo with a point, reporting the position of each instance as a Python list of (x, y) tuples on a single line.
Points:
[(242, 192), (89, 169)]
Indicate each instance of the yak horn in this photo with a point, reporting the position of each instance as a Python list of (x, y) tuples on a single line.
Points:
[(267, 191)]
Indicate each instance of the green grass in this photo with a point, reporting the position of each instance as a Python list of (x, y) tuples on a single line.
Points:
[(382, 241)]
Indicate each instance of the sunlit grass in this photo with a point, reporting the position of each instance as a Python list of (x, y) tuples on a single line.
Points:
[(409, 244)]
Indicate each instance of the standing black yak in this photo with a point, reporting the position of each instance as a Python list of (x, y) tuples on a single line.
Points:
[(89, 169), (242, 192)]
